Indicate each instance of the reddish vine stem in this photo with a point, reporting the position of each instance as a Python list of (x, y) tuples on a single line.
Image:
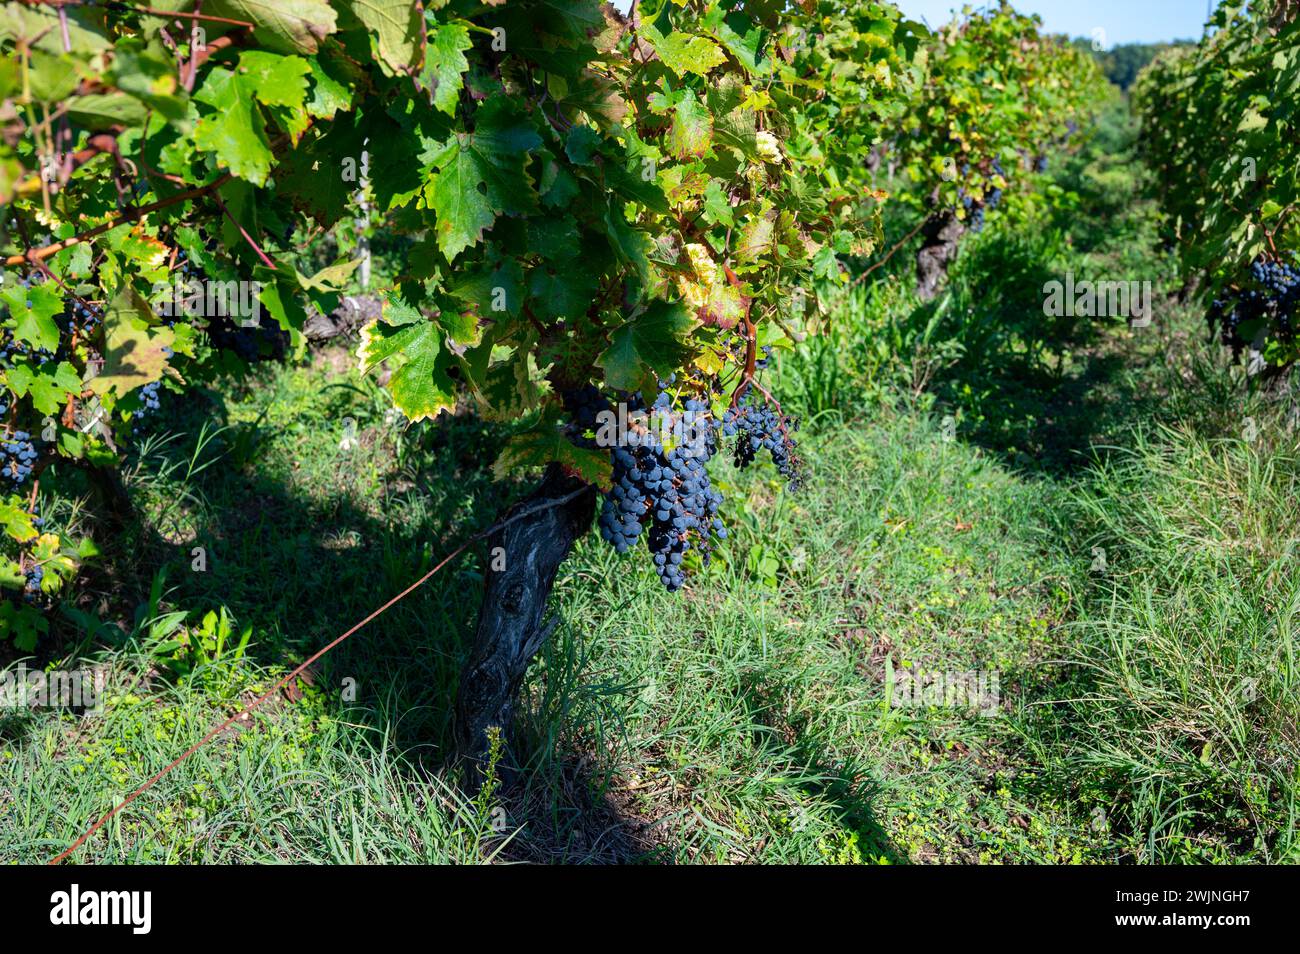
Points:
[(33, 255), (191, 72), (266, 260), (149, 11), (751, 341), (178, 15)]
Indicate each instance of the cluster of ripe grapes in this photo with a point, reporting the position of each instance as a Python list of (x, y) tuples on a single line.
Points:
[(264, 341), (35, 573), (664, 492), (18, 455), (148, 401), (1268, 300), (991, 201), (760, 427), (80, 316)]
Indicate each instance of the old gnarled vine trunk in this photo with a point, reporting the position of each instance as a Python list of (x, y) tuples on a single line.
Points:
[(942, 232), (523, 558)]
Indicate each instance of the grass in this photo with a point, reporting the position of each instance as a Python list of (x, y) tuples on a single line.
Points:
[(1103, 518)]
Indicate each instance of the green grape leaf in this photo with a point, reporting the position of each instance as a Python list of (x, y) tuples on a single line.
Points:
[(17, 521), (236, 131), (556, 291), (33, 310), (582, 145), (11, 174), (398, 27), (104, 110), (149, 74), (49, 391), (631, 244), (493, 291), (683, 53), (329, 92), (420, 385), (276, 80), (24, 624), (507, 390), (546, 444), (653, 341), (445, 63), (323, 171), (480, 175), (717, 209)]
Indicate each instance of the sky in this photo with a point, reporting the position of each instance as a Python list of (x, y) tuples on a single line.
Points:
[(1123, 21)]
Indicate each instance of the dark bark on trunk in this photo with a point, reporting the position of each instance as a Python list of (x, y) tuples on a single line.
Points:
[(942, 232), (522, 560), (351, 313), (112, 493)]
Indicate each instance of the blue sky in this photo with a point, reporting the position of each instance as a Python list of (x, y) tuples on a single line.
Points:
[(1124, 21)]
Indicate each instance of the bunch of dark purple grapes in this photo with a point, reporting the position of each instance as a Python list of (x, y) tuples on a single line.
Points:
[(661, 487), (18, 456), (762, 427), (1267, 301)]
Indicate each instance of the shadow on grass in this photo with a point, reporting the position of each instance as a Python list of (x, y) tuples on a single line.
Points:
[(1041, 393), (824, 776)]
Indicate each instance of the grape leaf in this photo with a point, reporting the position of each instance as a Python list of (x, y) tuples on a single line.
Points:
[(48, 391), (556, 292), (546, 444), (287, 26), (653, 341), (329, 92), (480, 175), (17, 522), (692, 130), (313, 174), (33, 310), (493, 291), (149, 74), (755, 239), (236, 131), (445, 63), (135, 349), (398, 27), (683, 53), (421, 386), (276, 80)]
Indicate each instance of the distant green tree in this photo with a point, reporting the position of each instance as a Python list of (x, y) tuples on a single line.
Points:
[(1122, 63)]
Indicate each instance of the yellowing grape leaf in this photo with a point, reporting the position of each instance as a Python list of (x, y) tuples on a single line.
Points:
[(135, 349), (398, 28), (420, 384), (286, 26), (683, 53)]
